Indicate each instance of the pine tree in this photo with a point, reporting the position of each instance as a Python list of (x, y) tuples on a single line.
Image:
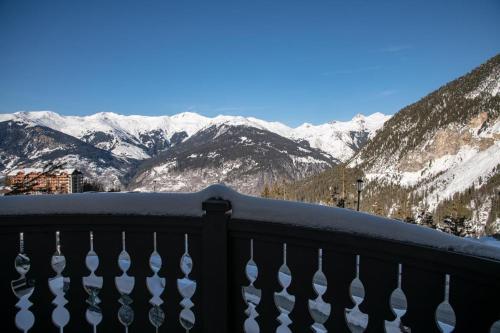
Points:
[(266, 193)]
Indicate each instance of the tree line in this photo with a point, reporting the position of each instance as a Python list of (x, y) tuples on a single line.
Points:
[(458, 215)]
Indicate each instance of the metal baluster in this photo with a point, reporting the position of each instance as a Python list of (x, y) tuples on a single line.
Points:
[(59, 285), (318, 308), (125, 284), (251, 295), (356, 320), (187, 288), (156, 286), (93, 285), (283, 300), (398, 305), (23, 288), (445, 316)]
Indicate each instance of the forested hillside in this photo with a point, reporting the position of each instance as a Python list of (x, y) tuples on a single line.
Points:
[(435, 162)]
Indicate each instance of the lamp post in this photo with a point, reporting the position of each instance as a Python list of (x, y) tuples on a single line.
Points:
[(332, 194), (359, 184)]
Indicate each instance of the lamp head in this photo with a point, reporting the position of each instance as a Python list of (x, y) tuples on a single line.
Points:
[(360, 184)]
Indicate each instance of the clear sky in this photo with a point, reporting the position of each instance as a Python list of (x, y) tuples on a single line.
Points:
[(292, 61)]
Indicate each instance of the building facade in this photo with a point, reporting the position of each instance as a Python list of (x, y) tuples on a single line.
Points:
[(38, 181)]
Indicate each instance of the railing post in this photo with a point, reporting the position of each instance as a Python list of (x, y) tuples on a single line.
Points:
[(215, 266)]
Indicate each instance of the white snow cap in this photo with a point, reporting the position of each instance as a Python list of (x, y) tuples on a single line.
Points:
[(244, 207)]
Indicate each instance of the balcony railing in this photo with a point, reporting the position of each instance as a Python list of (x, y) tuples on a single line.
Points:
[(217, 261)]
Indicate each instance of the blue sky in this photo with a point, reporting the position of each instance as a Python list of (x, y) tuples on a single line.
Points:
[(291, 61)]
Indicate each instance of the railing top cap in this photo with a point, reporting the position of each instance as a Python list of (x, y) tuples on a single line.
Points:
[(246, 208), (120, 203)]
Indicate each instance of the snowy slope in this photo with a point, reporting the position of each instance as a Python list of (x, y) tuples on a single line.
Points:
[(341, 139), (489, 86), (444, 144), (442, 175), (243, 156), (23, 144)]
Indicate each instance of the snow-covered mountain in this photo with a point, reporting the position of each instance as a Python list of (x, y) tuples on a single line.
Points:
[(26, 145), (137, 137), (341, 139), (445, 144), (244, 157), (435, 162), (186, 151), (142, 137)]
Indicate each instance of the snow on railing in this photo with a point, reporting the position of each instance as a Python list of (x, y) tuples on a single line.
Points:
[(219, 261), (246, 208)]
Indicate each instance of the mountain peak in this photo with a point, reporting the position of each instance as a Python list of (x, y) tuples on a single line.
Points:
[(104, 114), (377, 116), (359, 116), (38, 114), (187, 114)]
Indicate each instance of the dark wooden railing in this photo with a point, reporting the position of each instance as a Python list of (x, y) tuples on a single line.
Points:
[(234, 274)]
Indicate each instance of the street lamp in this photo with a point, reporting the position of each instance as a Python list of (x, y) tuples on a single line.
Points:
[(332, 194), (359, 184)]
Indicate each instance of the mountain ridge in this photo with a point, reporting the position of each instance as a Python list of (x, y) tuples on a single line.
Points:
[(130, 135), (24, 144), (243, 157), (444, 142), (135, 143)]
